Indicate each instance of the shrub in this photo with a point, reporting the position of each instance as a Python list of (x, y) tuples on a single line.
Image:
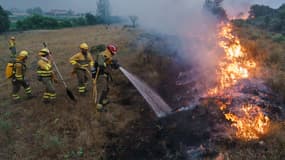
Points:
[(278, 38), (4, 20)]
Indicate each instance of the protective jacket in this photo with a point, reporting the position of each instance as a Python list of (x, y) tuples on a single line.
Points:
[(12, 44), (80, 60), (18, 79), (46, 76), (19, 69), (44, 68), (104, 58)]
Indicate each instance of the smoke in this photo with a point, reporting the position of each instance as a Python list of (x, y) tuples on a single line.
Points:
[(195, 28), (185, 19)]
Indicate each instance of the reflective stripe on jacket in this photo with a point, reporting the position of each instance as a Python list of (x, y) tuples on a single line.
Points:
[(84, 61), (44, 68)]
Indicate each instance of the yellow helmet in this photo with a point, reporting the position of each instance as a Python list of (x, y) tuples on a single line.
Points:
[(12, 38), (44, 52), (83, 46), (23, 53)]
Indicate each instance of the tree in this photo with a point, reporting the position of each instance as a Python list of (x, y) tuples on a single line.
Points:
[(260, 10), (36, 10), (4, 20), (81, 21), (134, 20), (103, 10), (91, 19)]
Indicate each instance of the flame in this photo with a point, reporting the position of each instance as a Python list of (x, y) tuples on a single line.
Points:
[(234, 65), (243, 16), (250, 123)]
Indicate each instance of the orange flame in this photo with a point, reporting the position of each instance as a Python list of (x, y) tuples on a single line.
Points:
[(235, 66), (251, 124)]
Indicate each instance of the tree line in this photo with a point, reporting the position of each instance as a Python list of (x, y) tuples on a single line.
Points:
[(43, 22), (267, 18), (39, 21)]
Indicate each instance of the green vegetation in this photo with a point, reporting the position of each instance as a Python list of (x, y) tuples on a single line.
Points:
[(263, 35), (38, 19), (267, 18), (44, 22), (4, 20), (41, 22), (268, 50), (92, 20)]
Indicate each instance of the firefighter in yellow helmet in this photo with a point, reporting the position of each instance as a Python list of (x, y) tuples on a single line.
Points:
[(46, 75), (18, 77), (12, 47), (81, 62), (104, 64)]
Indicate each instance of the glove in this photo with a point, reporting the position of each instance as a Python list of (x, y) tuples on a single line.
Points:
[(14, 80), (115, 64), (93, 72), (77, 65), (55, 80)]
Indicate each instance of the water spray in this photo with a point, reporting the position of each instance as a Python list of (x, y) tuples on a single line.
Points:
[(158, 105)]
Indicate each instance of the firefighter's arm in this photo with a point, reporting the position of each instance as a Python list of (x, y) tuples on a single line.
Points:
[(19, 71), (11, 44), (44, 66), (91, 61), (73, 61), (101, 61), (54, 78)]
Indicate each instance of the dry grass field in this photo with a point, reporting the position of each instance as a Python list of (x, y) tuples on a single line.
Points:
[(32, 130)]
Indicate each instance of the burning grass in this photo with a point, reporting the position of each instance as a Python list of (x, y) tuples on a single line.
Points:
[(249, 120)]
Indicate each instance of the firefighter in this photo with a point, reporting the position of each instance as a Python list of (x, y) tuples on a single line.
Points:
[(104, 64), (46, 76), (18, 78), (12, 47), (81, 62)]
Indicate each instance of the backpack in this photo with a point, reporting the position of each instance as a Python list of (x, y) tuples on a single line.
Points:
[(10, 69)]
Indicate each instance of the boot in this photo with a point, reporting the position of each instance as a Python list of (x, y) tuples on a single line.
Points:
[(30, 96), (105, 101), (99, 107), (46, 101)]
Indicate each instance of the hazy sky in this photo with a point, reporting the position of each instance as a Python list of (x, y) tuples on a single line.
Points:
[(118, 6)]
